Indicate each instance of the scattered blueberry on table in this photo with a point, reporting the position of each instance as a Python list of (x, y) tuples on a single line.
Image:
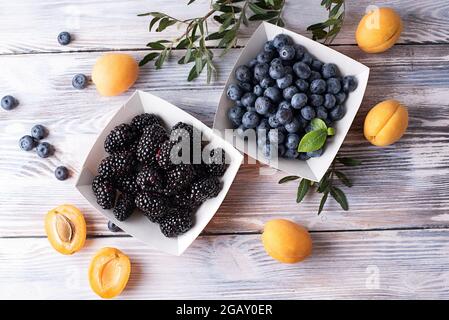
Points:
[(61, 173), (64, 38), (39, 132), (113, 228), (284, 87), (9, 102), (27, 143), (44, 149), (80, 81)]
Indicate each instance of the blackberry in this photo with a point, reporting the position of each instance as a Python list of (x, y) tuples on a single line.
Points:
[(163, 156), (127, 184), (179, 177), (153, 205), (124, 206), (204, 189), (216, 162), (120, 138), (119, 164), (182, 125), (144, 120), (150, 142), (178, 221), (104, 192), (200, 171), (150, 179), (182, 200)]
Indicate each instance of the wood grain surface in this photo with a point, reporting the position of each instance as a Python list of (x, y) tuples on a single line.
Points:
[(399, 206)]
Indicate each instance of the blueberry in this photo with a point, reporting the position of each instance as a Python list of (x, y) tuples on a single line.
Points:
[(263, 105), (302, 70), (238, 103), (39, 132), (308, 128), (276, 62), (261, 71), (44, 149), (307, 58), (314, 75), (273, 121), (268, 46), (341, 97), (299, 100), (243, 73), (281, 40), (338, 112), (265, 57), (284, 115), (234, 92), (293, 126), (273, 93), (276, 136), (285, 81), (349, 83), (241, 130), (61, 173), (333, 85), (79, 81), (316, 100), (316, 65), (267, 82), (252, 63), (303, 122), (276, 71), (235, 115), (113, 228), (292, 141), (308, 113), (262, 140), (245, 86), (315, 154), (27, 143), (284, 105), (300, 50), (266, 150), (303, 156), (250, 119), (329, 101), (263, 125), (302, 85), (288, 69), (318, 86), (64, 38), (329, 70), (9, 102), (291, 154), (287, 52), (258, 90), (289, 92), (321, 112), (248, 100)]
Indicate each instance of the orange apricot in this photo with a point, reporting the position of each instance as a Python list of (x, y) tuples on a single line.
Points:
[(286, 241), (385, 123), (114, 73), (109, 272), (66, 229), (378, 30)]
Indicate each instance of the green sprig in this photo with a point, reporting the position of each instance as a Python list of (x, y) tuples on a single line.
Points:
[(326, 31)]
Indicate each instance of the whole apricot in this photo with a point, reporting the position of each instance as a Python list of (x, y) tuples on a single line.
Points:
[(378, 30), (109, 272), (66, 229), (286, 241), (114, 73), (385, 123)]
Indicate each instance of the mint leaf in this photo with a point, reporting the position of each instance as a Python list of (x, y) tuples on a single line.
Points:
[(312, 141), (318, 124), (303, 188)]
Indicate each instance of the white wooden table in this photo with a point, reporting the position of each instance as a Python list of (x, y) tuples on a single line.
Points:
[(393, 243)]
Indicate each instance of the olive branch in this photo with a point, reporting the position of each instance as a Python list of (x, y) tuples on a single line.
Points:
[(328, 30)]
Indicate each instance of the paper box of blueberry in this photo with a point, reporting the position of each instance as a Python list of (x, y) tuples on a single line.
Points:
[(291, 101), (158, 173)]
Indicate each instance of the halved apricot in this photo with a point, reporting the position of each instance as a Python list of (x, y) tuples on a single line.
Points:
[(66, 229), (109, 272)]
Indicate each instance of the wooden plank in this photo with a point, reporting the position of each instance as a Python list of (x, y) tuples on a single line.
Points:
[(344, 265), (32, 26), (412, 170)]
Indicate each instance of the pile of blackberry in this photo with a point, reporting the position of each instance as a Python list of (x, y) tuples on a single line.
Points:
[(280, 91), (147, 171)]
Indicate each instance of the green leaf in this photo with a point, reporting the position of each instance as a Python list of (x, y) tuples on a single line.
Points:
[(216, 35), (266, 16), (156, 45), (190, 2), (350, 162), (303, 188), (256, 9), (193, 74), (149, 57), (230, 20), (318, 124), (330, 131), (322, 202), (223, 8), (188, 55), (164, 23), (287, 179), (335, 9), (324, 182), (160, 60), (340, 197), (199, 65), (228, 37), (153, 21), (343, 178), (312, 141)]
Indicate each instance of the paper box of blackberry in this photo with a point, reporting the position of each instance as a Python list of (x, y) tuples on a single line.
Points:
[(158, 173), (290, 101)]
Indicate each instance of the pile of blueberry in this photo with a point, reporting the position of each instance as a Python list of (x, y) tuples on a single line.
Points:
[(280, 91)]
